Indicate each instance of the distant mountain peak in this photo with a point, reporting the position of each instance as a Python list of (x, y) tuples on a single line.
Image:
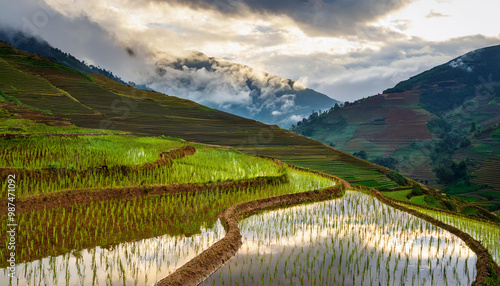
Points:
[(236, 88)]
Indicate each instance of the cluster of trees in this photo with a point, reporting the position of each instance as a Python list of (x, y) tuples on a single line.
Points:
[(452, 173), (447, 171), (361, 154), (105, 73), (386, 161), (313, 117), (316, 116)]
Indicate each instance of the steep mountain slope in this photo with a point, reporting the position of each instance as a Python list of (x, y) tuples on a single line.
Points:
[(227, 86), (31, 85), (439, 127)]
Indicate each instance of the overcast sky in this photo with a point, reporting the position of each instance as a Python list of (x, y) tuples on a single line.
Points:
[(347, 49)]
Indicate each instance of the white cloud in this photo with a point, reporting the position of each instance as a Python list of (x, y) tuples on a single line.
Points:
[(365, 53)]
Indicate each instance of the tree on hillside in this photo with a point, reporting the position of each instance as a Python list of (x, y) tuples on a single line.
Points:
[(387, 162), (452, 173), (361, 154)]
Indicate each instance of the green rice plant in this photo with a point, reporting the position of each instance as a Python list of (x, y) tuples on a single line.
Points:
[(487, 233), (82, 152), (110, 222), (206, 165)]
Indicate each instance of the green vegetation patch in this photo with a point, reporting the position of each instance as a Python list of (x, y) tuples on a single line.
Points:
[(82, 152), (419, 200), (460, 188), (432, 202), (398, 195), (7, 98), (50, 164), (13, 125)]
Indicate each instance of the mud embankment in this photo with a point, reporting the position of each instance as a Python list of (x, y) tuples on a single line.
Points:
[(200, 267)]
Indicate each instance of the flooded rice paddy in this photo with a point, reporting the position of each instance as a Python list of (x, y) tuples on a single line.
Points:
[(355, 240), (134, 263)]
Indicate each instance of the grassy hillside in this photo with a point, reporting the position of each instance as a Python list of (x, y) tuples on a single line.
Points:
[(437, 127), (47, 92)]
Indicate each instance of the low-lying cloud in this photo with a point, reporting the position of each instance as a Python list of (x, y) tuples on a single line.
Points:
[(232, 87)]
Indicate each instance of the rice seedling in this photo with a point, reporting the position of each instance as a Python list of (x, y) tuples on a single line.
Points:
[(485, 232), (355, 240), (57, 231), (124, 264), (206, 165), (80, 153)]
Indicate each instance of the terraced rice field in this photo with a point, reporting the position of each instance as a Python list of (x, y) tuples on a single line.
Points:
[(98, 162), (354, 240), (109, 210), (139, 262), (488, 173), (354, 173), (190, 221)]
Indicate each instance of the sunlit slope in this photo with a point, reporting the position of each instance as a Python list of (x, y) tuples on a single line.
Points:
[(97, 102)]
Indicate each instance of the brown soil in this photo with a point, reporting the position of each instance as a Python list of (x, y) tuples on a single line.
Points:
[(277, 161), (200, 267)]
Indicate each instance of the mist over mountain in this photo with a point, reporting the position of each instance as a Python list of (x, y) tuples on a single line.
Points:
[(219, 84), (236, 88)]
